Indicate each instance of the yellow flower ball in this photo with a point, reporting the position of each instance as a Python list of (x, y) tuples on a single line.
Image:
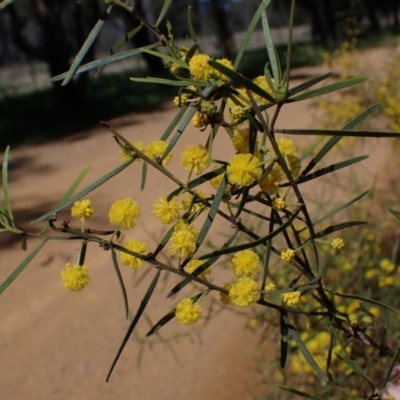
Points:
[(244, 292), (291, 298), (186, 312), (167, 211), (244, 170), (287, 255), (195, 158), (199, 68), (123, 213), (126, 154), (193, 265), (183, 240), (197, 205), (82, 209), (156, 151), (131, 261), (75, 277), (271, 182), (245, 263)]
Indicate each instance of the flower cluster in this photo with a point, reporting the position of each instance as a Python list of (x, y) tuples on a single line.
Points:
[(75, 277), (82, 209), (187, 312), (183, 239), (124, 213), (291, 298)]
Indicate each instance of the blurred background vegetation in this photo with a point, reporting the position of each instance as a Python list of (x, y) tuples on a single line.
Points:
[(39, 39)]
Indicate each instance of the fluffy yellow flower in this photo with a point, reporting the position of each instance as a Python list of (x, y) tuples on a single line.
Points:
[(216, 181), (244, 170), (246, 263), (226, 63), (183, 239), (353, 319), (196, 206), (126, 154), (236, 112), (195, 158), (287, 146), (387, 266), (75, 277), (123, 213), (225, 299), (278, 204), (156, 150), (262, 82), (270, 287), (244, 292), (82, 209), (291, 298), (241, 142), (193, 265), (199, 68), (199, 120), (287, 255), (338, 243), (271, 182), (167, 211), (138, 247), (186, 312)]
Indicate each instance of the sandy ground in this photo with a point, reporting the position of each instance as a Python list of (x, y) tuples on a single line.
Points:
[(59, 345)]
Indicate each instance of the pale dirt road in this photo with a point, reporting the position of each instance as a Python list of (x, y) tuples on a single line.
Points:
[(57, 345)]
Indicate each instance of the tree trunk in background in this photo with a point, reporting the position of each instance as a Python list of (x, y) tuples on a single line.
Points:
[(224, 31), (370, 6), (142, 38), (54, 47)]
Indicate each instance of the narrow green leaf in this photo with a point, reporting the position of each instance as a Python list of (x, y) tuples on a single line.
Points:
[(338, 227), (254, 243), (162, 81), (366, 299), (165, 57), (249, 32), (85, 191), (86, 46), (135, 320), (307, 84), (82, 253), (120, 281), (127, 37), (75, 184), (329, 88), (304, 350), (395, 213), (300, 393), (338, 132), (389, 371), (327, 170), (21, 267), (7, 199), (198, 181), (144, 175), (173, 123), (192, 32), (284, 339), (270, 46), (104, 61), (341, 207), (361, 117), (5, 3), (213, 211), (163, 11), (238, 78)]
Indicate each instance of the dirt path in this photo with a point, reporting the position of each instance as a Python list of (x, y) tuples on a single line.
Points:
[(57, 345)]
